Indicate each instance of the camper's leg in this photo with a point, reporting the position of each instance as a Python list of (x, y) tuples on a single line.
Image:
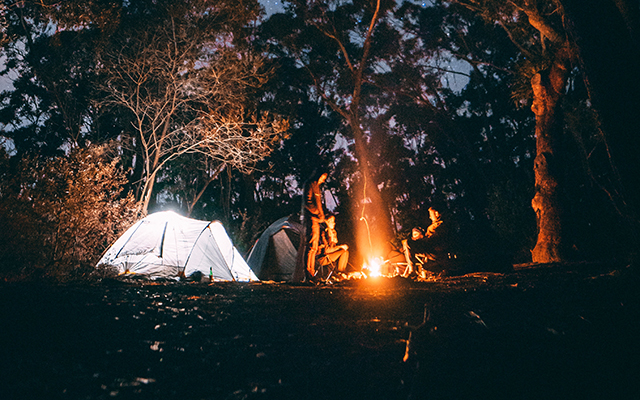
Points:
[(311, 262), (314, 240)]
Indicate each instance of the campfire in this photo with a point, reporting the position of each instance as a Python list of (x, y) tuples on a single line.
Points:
[(373, 266), (378, 267)]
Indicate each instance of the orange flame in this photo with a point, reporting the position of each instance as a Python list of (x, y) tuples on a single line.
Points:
[(374, 266)]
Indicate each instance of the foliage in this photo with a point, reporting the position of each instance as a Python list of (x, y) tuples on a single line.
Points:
[(419, 150), (186, 87), (225, 119), (61, 214), (350, 42), (480, 145), (541, 33), (52, 74)]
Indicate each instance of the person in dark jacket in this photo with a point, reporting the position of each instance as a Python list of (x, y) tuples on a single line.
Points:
[(427, 249)]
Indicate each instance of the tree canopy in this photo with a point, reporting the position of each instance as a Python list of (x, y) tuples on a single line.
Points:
[(495, 109)]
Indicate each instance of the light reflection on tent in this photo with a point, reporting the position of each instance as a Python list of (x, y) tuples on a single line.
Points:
[(167, 245)]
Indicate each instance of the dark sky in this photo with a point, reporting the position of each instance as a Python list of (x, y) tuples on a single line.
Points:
[(272, 6)]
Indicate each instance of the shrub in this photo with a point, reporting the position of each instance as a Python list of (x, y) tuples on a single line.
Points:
[(62, 214)]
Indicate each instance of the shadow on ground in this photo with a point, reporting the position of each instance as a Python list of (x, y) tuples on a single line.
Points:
[(553, 332)]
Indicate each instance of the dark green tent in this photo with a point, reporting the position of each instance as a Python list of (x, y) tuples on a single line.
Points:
[(273, 256)]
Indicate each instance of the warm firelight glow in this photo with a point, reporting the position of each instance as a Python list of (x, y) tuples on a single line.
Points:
[(373, 266), (372, 241)]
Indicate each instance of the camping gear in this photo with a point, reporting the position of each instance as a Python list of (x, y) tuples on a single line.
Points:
[(167, 245), (273, 256)]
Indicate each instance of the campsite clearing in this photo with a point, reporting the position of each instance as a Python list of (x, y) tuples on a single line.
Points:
[(559, 332)]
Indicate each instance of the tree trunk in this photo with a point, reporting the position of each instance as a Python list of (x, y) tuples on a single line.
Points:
[(548, 89), (143, 206), (375, 220)]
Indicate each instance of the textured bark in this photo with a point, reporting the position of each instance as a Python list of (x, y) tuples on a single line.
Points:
[(548, 88), (375, 229), (378, 225)]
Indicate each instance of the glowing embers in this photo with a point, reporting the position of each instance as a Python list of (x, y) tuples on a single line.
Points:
[(373, 267)]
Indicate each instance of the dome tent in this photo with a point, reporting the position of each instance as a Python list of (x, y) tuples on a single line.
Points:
[(167, 245), (273, 256)]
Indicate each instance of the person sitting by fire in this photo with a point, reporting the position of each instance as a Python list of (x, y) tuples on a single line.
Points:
[(427, 250), (330, 250)]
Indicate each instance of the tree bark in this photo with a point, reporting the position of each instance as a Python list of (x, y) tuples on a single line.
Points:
[(377, 218), (548, 89), (143, 204)]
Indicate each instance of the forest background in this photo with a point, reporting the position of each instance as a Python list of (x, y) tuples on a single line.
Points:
[(116, 109)]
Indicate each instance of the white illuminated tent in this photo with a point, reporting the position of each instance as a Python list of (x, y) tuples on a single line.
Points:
[(167, 245)]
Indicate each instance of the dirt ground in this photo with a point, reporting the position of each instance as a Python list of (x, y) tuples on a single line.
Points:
[(543, 332)]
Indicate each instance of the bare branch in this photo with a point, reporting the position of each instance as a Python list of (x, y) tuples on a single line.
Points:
[(523, 50), (365, 55), (332, 104), (540, 23), (186, 96), (343, 49)]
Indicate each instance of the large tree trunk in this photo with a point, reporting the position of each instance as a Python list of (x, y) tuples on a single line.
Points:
[(548, 89), (376, 230)]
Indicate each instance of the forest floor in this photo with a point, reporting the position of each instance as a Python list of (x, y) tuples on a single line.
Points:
[(540, 332)]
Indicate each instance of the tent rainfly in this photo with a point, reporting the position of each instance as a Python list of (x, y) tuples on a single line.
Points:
[(167, 245), (273, 256)]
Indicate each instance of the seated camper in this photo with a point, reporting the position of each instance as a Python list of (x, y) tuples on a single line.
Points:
[(331, 253), (414, 251), (429, 250)]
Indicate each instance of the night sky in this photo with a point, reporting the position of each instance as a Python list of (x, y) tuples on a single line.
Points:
[(272, 6)]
